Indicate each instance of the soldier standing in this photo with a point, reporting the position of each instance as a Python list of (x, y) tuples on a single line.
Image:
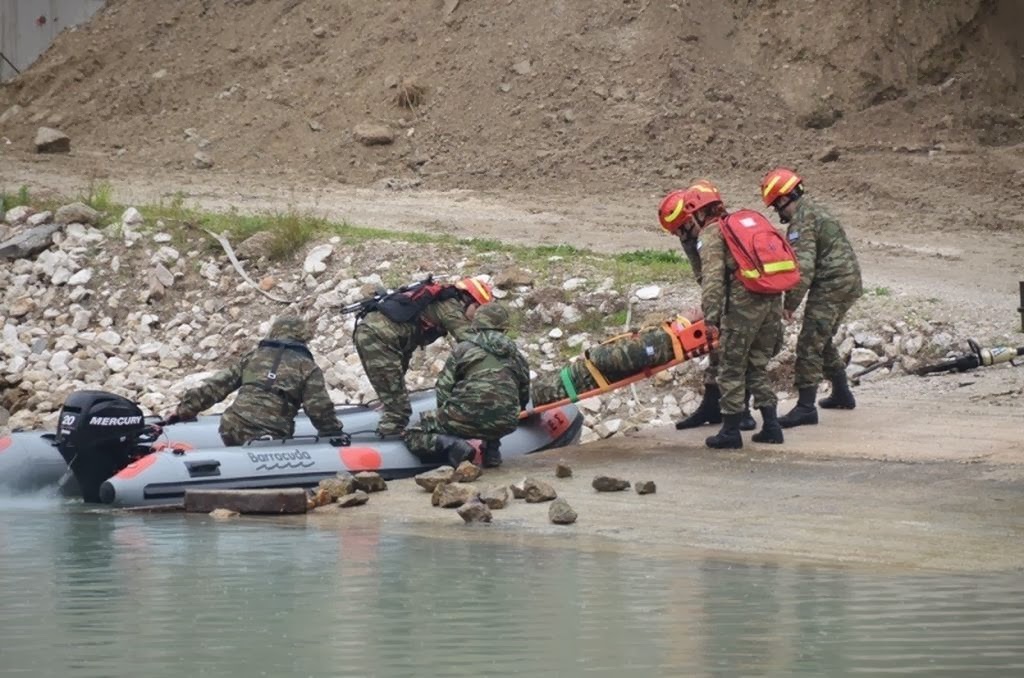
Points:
[(830, 278), (675, 220), (272, 382), (387, 335), (749, 321), (483, 387)]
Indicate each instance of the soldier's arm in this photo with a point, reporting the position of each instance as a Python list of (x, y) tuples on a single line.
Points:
[(212, 391), (803, 238), (523, 374), (712, 289), (693, 254), (451, 315), (317, 403)]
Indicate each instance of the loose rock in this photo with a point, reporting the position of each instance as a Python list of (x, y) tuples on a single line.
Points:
[(562, 470), (475, 511), (77, 213), (560, 513), (453, 495), (537, 491), (223, 514), (429, 480), (372, 134), (357, 498), (50, 140), (495, 497), (609, 484), (646, 487), (467, 472), (370, 481), (339, 486)]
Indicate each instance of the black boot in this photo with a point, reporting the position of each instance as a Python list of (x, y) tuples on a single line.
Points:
[(771, 431), (707, 412), (805, 413), (747, 423), (456, 449), (842, 397), (492, 454), (729, 437)]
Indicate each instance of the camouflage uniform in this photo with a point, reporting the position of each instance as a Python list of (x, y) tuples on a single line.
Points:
[(830, 277), (750, 325), (692, 251), (616, 359), (272, 382), (385, 348), (483, 387)]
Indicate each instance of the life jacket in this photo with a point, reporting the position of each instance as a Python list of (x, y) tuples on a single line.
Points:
[(268, 382), (766, 264)]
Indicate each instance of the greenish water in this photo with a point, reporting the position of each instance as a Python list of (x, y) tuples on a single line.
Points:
[(91, 595)]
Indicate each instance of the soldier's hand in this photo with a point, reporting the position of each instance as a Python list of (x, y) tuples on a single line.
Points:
[(341, 439), (171, 418)]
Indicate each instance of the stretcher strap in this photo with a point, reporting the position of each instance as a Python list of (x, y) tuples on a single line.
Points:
[(570, 390), (677, 348), (596, 374)]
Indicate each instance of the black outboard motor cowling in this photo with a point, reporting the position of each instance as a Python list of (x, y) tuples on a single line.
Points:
[(98, 434)]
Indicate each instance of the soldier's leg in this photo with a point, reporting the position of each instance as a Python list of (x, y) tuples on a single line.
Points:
[(764, 346), (739, 328), (833, 367), (431, 441), (707, 411), (385, 367), (821, 318)]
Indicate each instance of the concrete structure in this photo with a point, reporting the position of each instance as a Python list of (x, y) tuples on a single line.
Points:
[(28, 27)]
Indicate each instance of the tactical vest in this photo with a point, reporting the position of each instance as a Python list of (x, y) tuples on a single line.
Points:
[(408, 307), (268, 381)]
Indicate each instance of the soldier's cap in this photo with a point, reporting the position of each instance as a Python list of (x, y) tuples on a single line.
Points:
[(290, 327), (492, 316)]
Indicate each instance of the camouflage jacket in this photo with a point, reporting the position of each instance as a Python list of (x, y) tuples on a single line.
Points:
[(266, 403), (448, 317), (486, 374), (827, 260)]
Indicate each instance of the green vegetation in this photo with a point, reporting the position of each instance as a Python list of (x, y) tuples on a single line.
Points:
[(100, 197), (882, 292), (9, 200)]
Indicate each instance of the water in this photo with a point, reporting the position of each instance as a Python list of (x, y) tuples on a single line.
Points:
[(101, 595)]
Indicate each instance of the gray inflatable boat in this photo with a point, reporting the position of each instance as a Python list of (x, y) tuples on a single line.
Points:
[(121, 458)]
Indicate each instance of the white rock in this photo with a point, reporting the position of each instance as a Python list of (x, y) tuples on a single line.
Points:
[(591, 405), (165, 255), (60, 276), (314, 262), (912, 344), (578, 340), (39, 218), (131, 217), (863, 357), (16, 216), (162, 237), (573, 283), (115, 264), (59, 362), (81, 278), (163, 276), (608, 427), (116, 364), (649, 292), (109, 338), (555, 333)]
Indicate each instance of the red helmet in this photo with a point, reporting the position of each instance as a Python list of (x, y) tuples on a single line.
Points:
[(701, 194), (671, 213), (777, 183), (478, 289)]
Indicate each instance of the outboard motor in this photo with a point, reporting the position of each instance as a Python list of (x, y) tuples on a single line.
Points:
[(98, 434)]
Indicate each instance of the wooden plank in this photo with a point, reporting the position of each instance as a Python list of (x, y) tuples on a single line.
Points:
[(287, 500)]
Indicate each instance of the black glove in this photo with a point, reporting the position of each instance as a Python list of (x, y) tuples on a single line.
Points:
[(172, 418), (341, 439)]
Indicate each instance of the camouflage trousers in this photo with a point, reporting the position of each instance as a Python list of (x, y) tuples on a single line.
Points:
[(816, 355), (421, 437), (235, 430), (385, 364), (751, 329)]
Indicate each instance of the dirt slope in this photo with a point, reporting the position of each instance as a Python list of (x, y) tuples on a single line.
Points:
[(536, 95)]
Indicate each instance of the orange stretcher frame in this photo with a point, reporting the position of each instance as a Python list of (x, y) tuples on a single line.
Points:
[(689, 340)]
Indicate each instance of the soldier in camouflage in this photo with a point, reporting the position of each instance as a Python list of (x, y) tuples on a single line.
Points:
[(677, 221), (831, 280), (483, 387), (749, 326), (272, 382), (615, 359), (386, 345)]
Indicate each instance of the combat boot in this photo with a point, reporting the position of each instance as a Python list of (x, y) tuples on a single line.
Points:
[(771, 431), (805, 413), (729, 437), (707, 412), (747, 422), (492, 454), (456, 449), (841, 397)]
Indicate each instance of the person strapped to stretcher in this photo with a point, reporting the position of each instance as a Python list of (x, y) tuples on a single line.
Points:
[(622, 360)]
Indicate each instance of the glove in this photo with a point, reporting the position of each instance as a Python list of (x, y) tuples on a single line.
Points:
[(341, 439), (171, 418)]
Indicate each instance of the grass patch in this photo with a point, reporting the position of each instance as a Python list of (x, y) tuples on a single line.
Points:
[(882, 292), (15, 199), (100, 197)]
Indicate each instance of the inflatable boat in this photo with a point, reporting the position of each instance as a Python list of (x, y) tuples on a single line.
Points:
[(122, 458)]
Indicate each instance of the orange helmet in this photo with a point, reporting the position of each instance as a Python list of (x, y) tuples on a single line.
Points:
[(671, 213), (701, 194), (779, 182), (478, 289)]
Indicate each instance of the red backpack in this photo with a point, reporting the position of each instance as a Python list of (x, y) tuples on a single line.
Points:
[(767, 264)]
